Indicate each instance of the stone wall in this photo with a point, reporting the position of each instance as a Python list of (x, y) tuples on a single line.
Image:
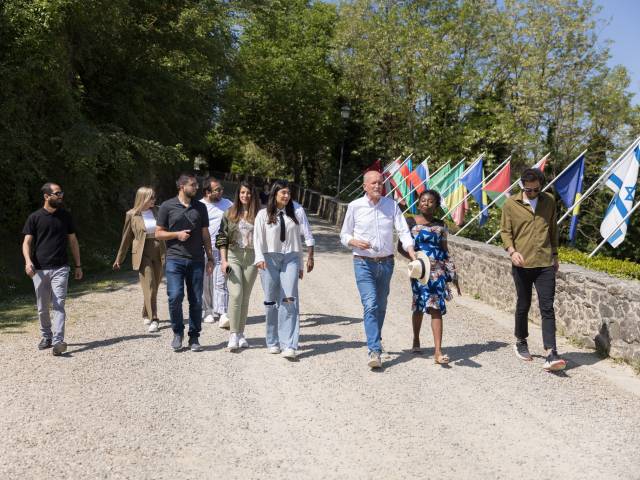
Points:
[(592, 308)]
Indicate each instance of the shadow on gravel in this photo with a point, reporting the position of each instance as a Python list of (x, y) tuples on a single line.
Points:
[(322, 319), (255, 320), (319, 346), (328, 243), (105, 343), (580, 359), (460, 355)]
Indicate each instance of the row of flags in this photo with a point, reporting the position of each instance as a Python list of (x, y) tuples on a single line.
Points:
[(405, 180)]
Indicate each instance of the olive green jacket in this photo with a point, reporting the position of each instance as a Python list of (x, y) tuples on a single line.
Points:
[(228, 233), (533, 235)]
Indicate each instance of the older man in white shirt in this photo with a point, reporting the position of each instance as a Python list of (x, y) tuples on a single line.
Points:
[(368, 231)]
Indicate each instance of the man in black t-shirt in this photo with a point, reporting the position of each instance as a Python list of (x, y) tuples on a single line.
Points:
[(47, 233), (183, 223)]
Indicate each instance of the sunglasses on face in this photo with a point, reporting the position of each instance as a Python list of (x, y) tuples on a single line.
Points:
[(216, 190), (532, 190), (57, 194)]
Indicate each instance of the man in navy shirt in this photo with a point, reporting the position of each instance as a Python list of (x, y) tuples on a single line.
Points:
[(183, 223), (47, 233)]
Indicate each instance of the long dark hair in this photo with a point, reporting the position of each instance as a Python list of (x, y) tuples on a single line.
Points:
[(238, 208), (272, 209)]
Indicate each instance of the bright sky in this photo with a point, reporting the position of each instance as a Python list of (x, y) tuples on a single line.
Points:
[(622, 29)]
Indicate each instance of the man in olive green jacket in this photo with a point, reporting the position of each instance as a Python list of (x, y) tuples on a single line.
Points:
[(530, 236)]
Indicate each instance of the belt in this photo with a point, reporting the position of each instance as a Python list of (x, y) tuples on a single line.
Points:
[(374, 259)]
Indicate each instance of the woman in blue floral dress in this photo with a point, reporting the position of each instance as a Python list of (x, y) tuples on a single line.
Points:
[(430, 237)]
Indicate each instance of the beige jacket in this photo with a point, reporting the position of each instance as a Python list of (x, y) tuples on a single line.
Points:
[(134, 235)]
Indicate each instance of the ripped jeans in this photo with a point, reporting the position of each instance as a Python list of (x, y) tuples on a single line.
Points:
[(280, 285)]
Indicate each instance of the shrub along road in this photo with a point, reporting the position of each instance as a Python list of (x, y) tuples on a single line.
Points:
[(121, 404)]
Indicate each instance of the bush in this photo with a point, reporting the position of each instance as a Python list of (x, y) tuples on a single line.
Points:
[(612, 266)]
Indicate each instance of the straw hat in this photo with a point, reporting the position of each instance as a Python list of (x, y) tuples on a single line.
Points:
[(420, 268)]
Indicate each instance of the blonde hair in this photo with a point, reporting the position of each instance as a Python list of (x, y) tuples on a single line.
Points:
[(143, 195)]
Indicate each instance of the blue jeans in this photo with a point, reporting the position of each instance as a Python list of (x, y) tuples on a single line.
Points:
[(280, 285), (373, 279), (180, 271)]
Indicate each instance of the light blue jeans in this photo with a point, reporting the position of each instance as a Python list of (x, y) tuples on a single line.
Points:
[(373, 279), (280, 285)]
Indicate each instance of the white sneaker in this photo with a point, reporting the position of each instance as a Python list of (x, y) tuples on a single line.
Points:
[(242, 342), (208, 319), (233, 342), (224, 321), (146, 321), (153, 326), (275, 350), (289, 353)]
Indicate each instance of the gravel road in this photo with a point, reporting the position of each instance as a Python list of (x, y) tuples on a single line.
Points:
[(121, 404)]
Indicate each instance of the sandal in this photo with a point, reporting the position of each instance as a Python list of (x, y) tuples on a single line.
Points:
[(442, 359), (416, 350)]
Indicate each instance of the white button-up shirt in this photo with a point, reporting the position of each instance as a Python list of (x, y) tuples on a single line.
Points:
[(266, 237), (305, 228), (374, 223)]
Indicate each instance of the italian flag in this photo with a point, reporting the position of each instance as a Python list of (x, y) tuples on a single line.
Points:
[(500, 184)]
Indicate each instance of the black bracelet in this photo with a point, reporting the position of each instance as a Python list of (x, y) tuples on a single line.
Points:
[(78, 266)]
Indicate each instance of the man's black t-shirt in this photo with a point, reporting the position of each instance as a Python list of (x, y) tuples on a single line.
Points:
[(174, 216), (50, 237)]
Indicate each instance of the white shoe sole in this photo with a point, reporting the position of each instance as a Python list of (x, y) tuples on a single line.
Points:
[(289, 355), (524, 359), (273, 351), (555, 367), (374, 364)]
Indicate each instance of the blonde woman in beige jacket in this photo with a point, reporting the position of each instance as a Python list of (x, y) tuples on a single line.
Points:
[(147, 253)]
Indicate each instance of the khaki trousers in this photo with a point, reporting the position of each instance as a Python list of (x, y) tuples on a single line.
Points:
[(150, 273), (240, 281)]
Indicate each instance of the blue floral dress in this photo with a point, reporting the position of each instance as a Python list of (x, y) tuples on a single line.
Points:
[(429, 239)]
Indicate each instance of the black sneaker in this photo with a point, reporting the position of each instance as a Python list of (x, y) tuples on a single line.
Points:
[(176, 343), (521, 350), (44, 344), (554, 363), (59, 348), (194, 345)]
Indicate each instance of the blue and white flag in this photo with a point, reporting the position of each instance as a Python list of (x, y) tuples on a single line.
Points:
[(622, 181)]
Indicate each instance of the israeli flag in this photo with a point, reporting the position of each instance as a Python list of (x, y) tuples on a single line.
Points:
[(622, 181)]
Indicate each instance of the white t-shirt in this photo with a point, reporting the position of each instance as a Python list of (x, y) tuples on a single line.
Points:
[(531, 201), (216, 211)]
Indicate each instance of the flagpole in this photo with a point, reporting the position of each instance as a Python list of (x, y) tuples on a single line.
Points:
[(514, 183), (453, 169), (468, 193), (461, 175), (595, 185), (362, 175), (615, 229), (426, 180), (398, 169), (415, 188), (481, 184), (546, 187)]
